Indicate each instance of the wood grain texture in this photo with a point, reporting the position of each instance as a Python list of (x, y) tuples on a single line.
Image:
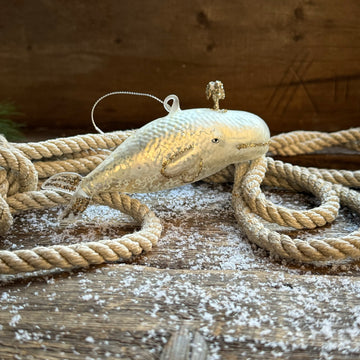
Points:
[(251, 314), (294, 63), (185, 344)]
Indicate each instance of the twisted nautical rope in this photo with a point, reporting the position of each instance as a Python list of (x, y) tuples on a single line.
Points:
[(23, 166)]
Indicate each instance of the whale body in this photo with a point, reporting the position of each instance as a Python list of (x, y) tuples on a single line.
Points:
[(183, 147)]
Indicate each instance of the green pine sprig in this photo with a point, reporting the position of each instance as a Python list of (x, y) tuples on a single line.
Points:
[(9, 128)]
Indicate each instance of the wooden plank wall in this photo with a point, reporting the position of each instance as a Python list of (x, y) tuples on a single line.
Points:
[(295, 63)]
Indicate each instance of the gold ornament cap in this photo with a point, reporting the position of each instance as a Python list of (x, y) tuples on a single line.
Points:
[(215, 90)]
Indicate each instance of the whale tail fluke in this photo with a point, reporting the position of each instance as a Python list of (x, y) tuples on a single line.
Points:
[(65, 182), (69, 183)]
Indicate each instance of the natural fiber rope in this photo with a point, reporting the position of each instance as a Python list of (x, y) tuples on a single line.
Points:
[(23, 166), (83, 254), (309, 250)]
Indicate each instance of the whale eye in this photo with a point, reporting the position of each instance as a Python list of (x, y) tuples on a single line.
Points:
[(215, 140)]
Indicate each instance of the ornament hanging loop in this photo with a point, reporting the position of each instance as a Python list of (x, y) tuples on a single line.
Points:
[(174, 107)]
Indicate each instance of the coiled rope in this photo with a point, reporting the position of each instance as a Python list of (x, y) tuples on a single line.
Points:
[(24, 166)]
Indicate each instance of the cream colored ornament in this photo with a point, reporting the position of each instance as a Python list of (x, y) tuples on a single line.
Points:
[(180, 148)]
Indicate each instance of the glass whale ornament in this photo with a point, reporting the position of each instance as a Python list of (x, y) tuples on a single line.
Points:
[(180, 148)]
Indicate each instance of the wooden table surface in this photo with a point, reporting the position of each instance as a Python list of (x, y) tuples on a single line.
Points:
[(203, 278)]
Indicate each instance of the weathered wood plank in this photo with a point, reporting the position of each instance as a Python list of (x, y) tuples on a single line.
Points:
[(130, 312), (294, 63)]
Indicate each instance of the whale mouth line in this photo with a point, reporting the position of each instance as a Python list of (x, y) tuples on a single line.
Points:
[(251, 145)]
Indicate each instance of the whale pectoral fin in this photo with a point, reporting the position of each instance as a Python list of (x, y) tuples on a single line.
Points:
[(69, 183), (65, 182), (73, 211), (185, 163)]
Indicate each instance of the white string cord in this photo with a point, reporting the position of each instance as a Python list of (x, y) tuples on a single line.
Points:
[(118, 93)]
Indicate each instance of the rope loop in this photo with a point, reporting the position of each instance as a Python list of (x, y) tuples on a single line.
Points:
[(283, 246), (17, 174), (87, 253), (22, 169), (306, 219)]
